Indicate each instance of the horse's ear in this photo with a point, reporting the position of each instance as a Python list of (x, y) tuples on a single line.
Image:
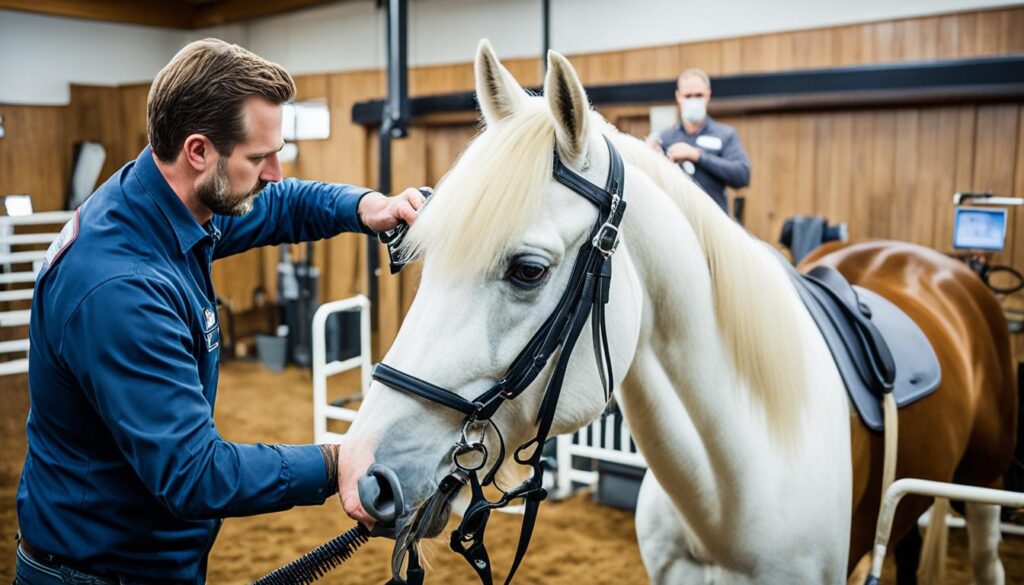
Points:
[(498, 93), (569, 106)]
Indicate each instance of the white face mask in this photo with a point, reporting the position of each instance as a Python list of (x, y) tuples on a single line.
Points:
[(694, 110)]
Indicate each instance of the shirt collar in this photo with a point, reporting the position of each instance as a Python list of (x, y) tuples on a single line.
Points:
[(703, 129), (186, 229)]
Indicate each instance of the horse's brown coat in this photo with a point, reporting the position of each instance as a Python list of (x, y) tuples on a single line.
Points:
[(965, 431)]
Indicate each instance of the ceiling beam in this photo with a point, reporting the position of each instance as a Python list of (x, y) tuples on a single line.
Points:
[(227, 11), (145, 12), (163, 13)]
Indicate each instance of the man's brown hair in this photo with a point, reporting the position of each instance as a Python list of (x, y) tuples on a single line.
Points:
[(202, 90)]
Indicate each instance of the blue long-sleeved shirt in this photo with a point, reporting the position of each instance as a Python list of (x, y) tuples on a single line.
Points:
[(723, 162), (126, 473)]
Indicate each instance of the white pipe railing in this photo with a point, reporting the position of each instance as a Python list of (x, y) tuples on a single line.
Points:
[(935, 489), (323, 411)]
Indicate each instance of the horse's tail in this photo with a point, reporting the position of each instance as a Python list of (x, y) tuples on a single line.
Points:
[(932, 567)]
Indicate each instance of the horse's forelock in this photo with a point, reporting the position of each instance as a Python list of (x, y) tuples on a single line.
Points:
[(488, 198)]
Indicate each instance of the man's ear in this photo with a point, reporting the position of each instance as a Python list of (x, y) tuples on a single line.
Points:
[(198, 152)]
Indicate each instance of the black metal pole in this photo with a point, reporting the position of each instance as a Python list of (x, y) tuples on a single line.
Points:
[(545, 16), (394, 124)]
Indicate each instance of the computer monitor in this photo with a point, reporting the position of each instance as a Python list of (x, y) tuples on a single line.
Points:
[(975, 228)]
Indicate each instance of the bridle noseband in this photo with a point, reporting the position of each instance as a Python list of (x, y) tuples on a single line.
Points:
[(586, 295)]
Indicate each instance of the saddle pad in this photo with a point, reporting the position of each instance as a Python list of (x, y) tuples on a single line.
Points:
[(917, 367)]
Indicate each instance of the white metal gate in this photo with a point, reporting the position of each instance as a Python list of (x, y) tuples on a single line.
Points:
[(605, 439), (323, 410)]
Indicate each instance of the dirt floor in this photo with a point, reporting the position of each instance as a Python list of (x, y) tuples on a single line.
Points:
[(576, 541)]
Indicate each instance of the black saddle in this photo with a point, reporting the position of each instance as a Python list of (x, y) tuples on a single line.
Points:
[(876, 346)]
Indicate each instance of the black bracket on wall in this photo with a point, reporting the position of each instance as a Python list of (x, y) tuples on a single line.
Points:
[(985, 79)]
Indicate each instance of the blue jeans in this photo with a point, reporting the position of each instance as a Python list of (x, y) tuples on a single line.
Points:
[(30, 571)]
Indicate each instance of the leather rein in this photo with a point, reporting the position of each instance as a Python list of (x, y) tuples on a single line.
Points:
[(586, 295)]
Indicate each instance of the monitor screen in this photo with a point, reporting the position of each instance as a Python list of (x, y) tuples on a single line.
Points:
[(979, 229)]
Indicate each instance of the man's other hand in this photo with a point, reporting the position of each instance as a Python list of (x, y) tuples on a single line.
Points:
[(681, 151), (380, 213)]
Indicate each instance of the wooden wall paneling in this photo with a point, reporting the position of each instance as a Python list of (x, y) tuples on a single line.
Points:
[(860, 185), (760, 54), (1013, 31), (811, 49), (444, 145), (135, 136), (934, 186), (963, 178), (732, 57), (315, 162), (655, 63), (806, 153), (95, 115), (388, 285), (430, 80), (880, 172), (1016, 238), (780, 142), (348, 152), (599, 68), (995, 154), (706, 55), (838, 199), (992, 35), (35, 156), (887, 45), (969, 42), (824, 148), (905, 177), (948, 41), (409, 169), (848, 46), (527, 71)]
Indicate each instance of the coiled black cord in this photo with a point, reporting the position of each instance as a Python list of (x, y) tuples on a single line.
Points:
[(317, 562)]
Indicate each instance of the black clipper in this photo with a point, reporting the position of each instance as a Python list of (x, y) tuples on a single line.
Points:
[(393, 238)]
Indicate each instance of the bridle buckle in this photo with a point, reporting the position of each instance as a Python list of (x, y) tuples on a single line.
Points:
[(606, 240)]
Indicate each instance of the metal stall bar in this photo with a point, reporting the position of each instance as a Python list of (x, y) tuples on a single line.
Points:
[(323, 410)]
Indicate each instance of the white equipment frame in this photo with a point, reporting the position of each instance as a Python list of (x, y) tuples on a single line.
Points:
[(935, 489), (324, 411), (9, 275)]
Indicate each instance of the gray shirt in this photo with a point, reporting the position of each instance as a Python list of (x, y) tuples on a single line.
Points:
[(723, 163)]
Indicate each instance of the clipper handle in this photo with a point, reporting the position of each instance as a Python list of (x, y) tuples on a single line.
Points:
[(393, 238)]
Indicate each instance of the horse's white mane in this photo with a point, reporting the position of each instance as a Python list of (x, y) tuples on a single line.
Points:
[(497, 187), (489, 196), (754, 301)]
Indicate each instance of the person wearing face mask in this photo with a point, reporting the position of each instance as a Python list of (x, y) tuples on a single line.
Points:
[(704, 148)]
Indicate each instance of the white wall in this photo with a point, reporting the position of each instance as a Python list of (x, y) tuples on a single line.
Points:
[(40, 55)]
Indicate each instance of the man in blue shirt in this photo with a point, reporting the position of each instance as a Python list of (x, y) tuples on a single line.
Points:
[(126, 479), (708, 150)]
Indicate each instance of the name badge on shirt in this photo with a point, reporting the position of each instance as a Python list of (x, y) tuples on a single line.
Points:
[(211, 331), (709, 142)]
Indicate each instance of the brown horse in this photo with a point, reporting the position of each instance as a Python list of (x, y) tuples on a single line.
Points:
[(964, 432)]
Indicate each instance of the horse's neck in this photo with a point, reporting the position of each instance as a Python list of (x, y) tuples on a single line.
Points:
[(700, 430)]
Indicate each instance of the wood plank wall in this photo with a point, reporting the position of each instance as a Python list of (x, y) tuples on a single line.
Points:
[(889, 172)]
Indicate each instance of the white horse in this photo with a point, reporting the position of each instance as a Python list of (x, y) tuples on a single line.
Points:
[(728, 386)]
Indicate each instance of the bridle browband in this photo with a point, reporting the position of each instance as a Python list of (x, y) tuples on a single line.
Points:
[(586, 294)]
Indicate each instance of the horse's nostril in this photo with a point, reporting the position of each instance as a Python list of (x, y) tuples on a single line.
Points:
[(380, 494)]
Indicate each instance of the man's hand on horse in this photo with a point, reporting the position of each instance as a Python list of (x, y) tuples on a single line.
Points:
[(380, 213)]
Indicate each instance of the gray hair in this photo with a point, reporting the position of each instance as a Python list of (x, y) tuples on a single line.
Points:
[(695, 72)]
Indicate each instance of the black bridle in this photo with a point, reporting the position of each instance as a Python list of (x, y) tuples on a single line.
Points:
[(586, 295)]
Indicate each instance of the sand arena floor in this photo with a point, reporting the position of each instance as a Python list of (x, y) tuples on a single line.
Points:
[(576, 541)]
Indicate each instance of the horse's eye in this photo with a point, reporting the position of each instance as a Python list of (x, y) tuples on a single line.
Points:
[(527, 272)]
